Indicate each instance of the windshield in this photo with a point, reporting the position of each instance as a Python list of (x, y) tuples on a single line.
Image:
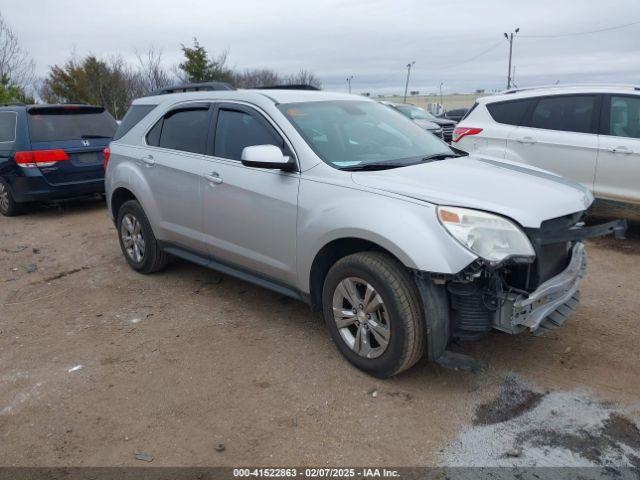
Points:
[(348, 133), (415, 113), (48, 124)]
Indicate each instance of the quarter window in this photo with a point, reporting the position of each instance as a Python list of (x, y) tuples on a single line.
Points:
[(566, 113), (511, 112), (625, 117), (153, 137), (236, 130), (185, 130), (8, 122)]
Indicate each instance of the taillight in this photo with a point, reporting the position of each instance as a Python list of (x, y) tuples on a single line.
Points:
[(40, 158), (106, 154), (460, 132)]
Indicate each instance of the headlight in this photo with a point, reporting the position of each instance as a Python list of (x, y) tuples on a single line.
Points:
[(491, 237)]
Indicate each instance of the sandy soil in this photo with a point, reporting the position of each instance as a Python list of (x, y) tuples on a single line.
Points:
[(98, 363)]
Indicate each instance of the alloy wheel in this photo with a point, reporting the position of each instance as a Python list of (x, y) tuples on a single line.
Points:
[(4, 198), (132, 238), (361, 317)]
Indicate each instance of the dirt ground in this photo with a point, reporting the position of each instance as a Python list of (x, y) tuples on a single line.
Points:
[(98, 363)]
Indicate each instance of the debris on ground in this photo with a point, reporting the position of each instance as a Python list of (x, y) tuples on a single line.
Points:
[(373, 392), (220, 447), (145, 457), (31, 268), (523, 427), (75, 368)]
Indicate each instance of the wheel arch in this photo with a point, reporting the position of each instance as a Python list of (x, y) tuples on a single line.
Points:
[(329, 254), (118, 198)]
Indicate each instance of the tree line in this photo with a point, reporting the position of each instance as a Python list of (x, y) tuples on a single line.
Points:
[(113, 83)]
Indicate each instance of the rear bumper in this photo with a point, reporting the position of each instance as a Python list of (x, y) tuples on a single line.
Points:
[(550, 304), (35, 189)]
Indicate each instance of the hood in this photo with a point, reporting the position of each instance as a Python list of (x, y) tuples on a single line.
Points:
[(528, 196), (426, 124), (445, 121)]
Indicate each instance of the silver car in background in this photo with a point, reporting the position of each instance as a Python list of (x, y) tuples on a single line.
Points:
[(338, 201)]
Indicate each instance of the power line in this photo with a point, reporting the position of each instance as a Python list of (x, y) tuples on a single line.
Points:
[(616, 27), (484, 52)]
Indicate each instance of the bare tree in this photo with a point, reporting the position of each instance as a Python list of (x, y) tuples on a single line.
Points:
[(257, 77), (151, 73), (15, 64), (304, 77)]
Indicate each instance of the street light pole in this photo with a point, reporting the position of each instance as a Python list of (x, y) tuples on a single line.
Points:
[(510, 38), (406, 87), (349, 82), (441, 100)]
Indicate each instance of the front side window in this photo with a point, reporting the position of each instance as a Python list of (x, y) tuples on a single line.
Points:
[(236, 130), (185, 130), (625, 117), (511, 112), (355, 133), (567, 113), (8, 122)]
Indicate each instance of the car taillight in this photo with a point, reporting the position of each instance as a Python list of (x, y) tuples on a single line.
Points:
[(106, 154), (40, 158), (461, 132)]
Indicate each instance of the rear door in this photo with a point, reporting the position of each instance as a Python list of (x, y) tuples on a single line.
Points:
[(173, 166), (559, 134), (618, 172), (249, 213), (83, 132)]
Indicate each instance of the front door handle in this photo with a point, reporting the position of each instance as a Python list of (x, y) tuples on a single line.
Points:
[(527, 140), (148, 161), (621, 149), (213, 177)]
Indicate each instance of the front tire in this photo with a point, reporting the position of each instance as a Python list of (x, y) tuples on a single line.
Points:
[(8, 205), (372, 308), (137, 241)]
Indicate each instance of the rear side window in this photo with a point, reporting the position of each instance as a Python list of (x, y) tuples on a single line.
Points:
[(8, 122), (567, 113), (624, 120), (236, 130), (132, 118), (185, 130), (47, 124), (511, 112)]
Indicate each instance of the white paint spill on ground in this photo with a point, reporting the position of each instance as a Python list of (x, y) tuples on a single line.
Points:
[(553, 429), (76, 368)]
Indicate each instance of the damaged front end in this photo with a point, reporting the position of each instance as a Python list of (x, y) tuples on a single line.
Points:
[(533, 293)]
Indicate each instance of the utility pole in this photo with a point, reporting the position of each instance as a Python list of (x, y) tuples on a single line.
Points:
[(406, 87), (441, 100), (510, 38), (349, 78)]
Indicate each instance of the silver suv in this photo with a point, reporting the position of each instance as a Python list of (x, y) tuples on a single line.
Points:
[(402, 242)]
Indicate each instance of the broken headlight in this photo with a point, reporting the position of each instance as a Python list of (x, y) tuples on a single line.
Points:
[(489, 236)]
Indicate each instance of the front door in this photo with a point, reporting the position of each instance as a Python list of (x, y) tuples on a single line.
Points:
[(249, 214)]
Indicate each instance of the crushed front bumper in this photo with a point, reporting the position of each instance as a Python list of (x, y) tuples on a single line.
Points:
[(550, 304)]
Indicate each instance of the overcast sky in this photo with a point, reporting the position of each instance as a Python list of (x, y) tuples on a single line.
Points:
[(371, 40)]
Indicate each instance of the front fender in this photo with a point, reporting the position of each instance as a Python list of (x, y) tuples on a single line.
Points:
[(407, 229)]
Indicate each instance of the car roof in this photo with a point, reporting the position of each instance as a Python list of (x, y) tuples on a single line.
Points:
[(253, 96), (559, 90)]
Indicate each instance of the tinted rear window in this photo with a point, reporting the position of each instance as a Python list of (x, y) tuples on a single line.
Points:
[(566, 113), (511, 112), (8, 122), (132, 118), (70, 123), (185, 130)]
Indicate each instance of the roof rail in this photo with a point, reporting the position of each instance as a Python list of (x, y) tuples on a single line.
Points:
[(194, 87), (569, 85), (289, 87)]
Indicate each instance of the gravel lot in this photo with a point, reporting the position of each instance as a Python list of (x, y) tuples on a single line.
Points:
[(98, 363)]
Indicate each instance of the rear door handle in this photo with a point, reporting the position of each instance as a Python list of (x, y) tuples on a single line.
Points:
[(213, 177), (148, 161), (527, 140), (623, 150)]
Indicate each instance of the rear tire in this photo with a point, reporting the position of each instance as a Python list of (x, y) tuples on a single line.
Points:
[(8, 205), (373, 310), (137, 241)]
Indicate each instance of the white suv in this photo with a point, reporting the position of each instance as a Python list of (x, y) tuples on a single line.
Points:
[(588, 133)]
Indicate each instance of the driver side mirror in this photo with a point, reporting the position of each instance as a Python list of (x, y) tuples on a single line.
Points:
[(266, 156)]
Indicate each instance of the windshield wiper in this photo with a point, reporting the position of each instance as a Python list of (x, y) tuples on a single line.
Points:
[(439, 156), (373, 166), (95, 136)]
